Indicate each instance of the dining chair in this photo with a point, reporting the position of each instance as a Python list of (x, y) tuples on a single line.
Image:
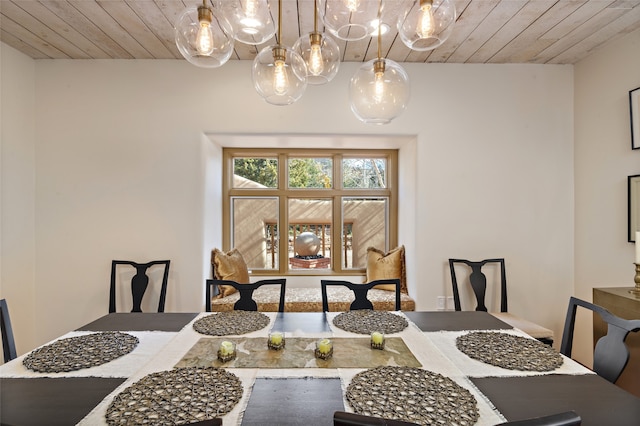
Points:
[(478, 283), (567, 418), (246, 301), (611, 355), (360, 291), (216, 421), (8, 343), (342, 418), (139, 283)]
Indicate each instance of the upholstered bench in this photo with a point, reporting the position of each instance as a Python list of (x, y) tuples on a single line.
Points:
[(310, 300)]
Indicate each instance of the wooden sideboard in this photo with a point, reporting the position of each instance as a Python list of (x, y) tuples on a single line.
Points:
[(620, 302)]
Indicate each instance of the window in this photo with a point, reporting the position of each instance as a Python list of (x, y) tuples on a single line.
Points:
[(301, 211)]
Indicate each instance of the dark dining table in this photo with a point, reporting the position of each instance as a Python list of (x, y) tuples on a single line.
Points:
[(65, 400)]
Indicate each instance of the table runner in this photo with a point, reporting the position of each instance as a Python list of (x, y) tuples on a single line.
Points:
[(446, 342), (299, 353), (149, 346)]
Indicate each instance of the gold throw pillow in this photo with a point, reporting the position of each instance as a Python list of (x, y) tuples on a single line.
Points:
[(381, 265), (229, 266)]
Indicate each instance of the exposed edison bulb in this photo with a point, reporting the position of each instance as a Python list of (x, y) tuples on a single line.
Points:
[(426, 27), (378, 90), (378, 82), (280, 79), (353, 5), (204, 39), (316, 61), (250, 21), (251, 8)]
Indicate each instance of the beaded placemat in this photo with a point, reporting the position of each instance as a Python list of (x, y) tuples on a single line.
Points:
[(176, 397), (231, 323), (75, 353), (413, 395), (366, 321), (509, 351)]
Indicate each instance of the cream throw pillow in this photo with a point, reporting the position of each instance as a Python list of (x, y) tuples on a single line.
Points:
[(229, 266), (381, 265)]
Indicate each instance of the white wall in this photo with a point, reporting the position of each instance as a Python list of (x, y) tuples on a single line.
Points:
[(603, 160), (17, 183), (123, 170)]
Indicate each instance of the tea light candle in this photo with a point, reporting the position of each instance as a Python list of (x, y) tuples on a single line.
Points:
[(324, 346), (377, 338), (226, 348), (275, 338)]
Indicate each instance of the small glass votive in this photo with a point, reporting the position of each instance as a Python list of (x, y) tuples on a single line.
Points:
[(276, 340), (324, 349), (226, 351), (377, 340)]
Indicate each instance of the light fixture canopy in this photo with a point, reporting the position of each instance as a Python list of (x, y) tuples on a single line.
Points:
[(320, 53), (349, 19), (279, 73), (249, 21), (201, 39), (426, 24)]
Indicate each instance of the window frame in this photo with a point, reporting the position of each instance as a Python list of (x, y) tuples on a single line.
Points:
[(336, 193)]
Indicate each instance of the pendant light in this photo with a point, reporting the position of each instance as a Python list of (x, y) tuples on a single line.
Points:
[(379, 90), (349, 19), (426, 24), (200, 38), (320, 53), (249, 21), (279, 73)]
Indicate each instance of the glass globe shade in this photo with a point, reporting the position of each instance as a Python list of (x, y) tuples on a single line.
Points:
[(425, 25), (377, 97), (187, 29), (321, 55), (349, 19), (249, 21), (279, 75)]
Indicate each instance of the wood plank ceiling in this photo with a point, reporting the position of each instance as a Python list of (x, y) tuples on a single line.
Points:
[(486, 31)]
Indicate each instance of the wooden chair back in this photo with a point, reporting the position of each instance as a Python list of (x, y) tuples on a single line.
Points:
[(478, 282), (360, 291), (8, 343), (246, 301), (342, 418), (139, 283), (611, 354), (567, 418)]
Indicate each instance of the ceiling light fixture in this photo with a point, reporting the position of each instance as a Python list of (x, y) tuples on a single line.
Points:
[(249, 21), (348, 19), (320, 53), (426, 24), (379, 90), (201, 39), (279, 73)]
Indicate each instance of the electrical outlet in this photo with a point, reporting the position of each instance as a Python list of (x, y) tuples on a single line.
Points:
[(441, 303), (449, 305)]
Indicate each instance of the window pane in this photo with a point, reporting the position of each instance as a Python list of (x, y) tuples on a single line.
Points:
[(364, 172), (255, 173), (310, 233), (364, 224), (310, 173), (255, 231)]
